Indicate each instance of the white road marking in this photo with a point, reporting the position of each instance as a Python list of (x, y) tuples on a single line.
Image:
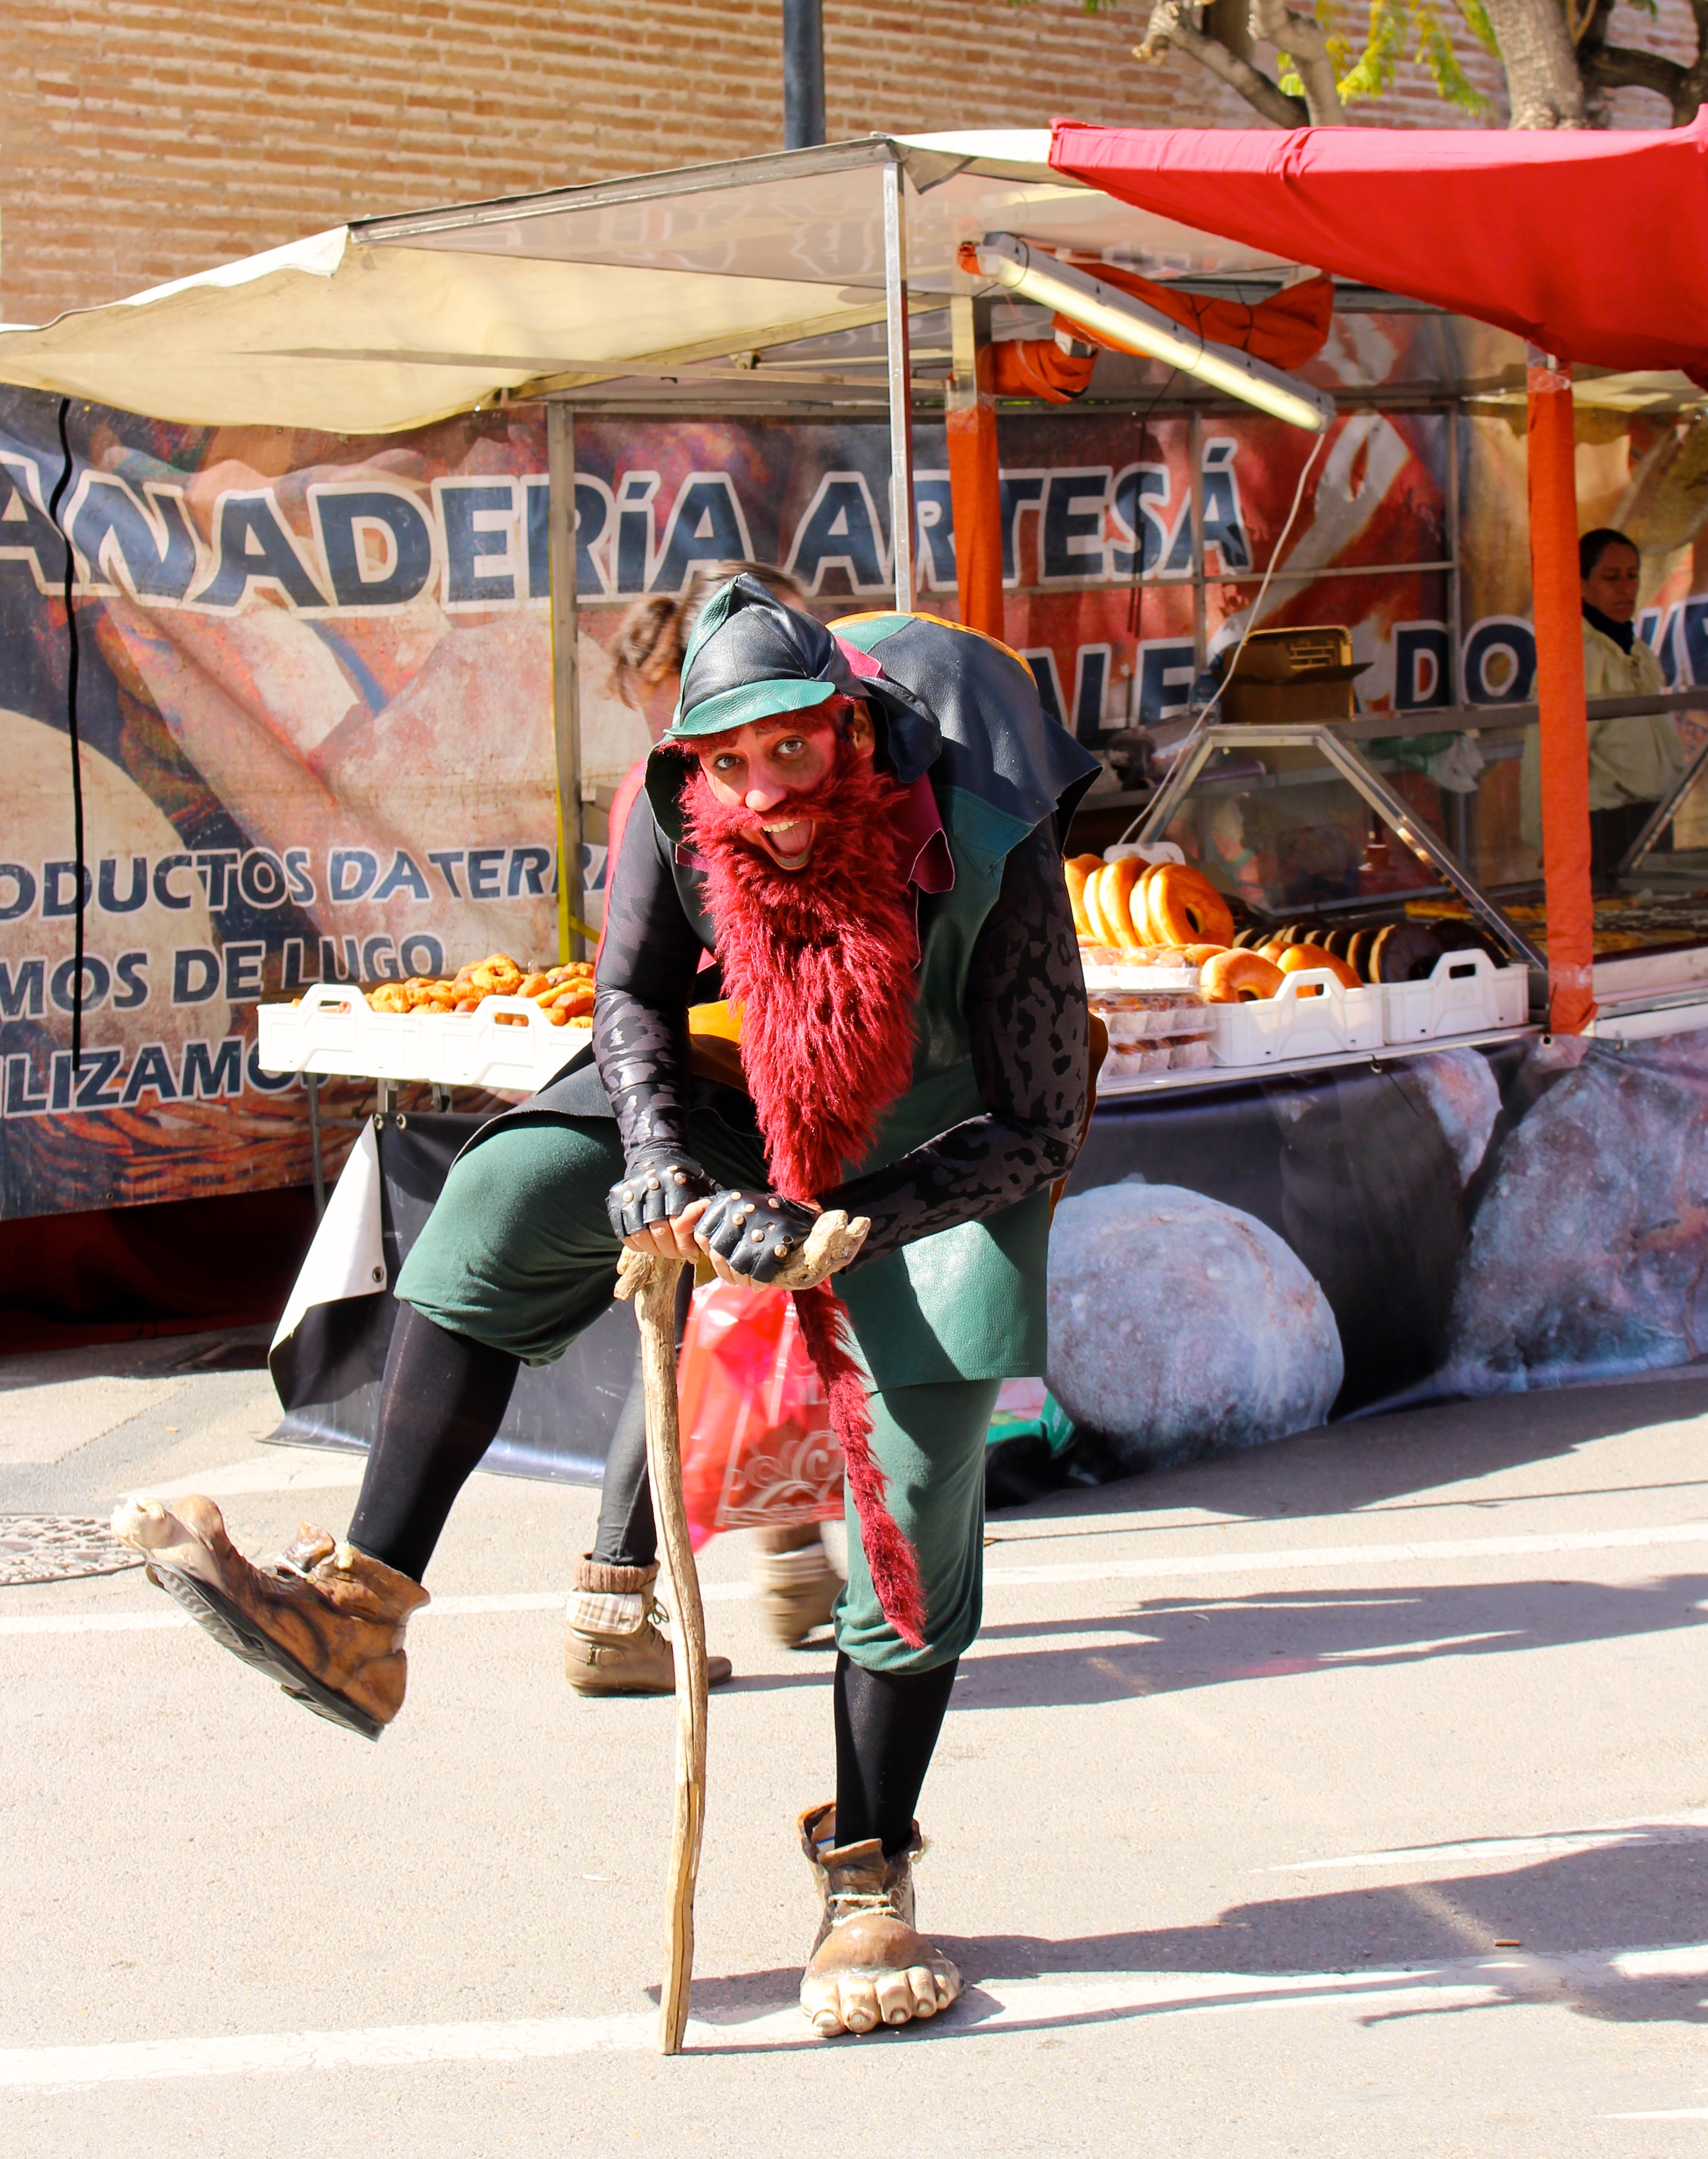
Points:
[(1283, 1560), (992, 2005), (1416, 1648), (996, 2005), (1663, 1828), (1188, 1567), (1663, 2113)]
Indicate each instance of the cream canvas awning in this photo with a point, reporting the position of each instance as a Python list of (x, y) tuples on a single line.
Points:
[(388, 322)]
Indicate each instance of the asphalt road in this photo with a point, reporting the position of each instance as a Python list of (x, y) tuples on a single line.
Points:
[(1349, 1796)]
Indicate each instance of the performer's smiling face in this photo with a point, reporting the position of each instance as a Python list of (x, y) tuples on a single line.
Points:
[(760, 767)]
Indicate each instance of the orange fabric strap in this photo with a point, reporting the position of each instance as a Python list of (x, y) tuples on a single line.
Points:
[(1038, 367), (1285, 329)]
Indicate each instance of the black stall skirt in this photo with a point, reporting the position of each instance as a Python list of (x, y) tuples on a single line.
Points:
[(328, 1356)]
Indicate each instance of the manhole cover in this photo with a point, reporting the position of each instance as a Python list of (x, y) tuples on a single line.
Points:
[(58, 1548)]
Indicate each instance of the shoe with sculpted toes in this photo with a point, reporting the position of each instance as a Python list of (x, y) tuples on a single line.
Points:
[(868, 1965), (323, 1620)]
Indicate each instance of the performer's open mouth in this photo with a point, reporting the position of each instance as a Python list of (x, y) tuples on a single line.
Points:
[(788, 845)]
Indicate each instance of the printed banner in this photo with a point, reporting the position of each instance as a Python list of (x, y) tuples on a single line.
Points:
[(312, 687)]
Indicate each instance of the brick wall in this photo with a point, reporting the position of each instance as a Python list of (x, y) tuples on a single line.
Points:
[(144, 139)]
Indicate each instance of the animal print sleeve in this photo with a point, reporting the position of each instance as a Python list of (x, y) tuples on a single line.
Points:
[(645, 983)]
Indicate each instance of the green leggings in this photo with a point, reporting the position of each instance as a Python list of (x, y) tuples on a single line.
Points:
[(519, 1254)]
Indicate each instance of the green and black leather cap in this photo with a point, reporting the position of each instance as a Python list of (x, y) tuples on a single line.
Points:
[(750, 658)]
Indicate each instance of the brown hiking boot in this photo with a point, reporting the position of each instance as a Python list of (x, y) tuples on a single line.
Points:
[(868, 1966), (798, 1586), (614, 1645), (322, 1618)]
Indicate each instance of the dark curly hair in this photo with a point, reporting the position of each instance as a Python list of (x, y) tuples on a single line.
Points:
[(652, 638)]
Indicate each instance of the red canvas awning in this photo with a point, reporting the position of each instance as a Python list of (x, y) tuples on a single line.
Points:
[(1590, 245)]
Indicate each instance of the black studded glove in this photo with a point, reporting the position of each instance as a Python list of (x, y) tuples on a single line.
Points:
[(657, 1185), (754, 1232)]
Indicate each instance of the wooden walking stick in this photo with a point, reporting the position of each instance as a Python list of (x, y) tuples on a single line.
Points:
[(831, 1243)]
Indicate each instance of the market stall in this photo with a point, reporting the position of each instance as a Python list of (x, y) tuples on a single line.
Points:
[(1075, 392)]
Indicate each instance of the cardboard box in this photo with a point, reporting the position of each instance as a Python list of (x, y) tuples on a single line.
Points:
[(1290, 677)]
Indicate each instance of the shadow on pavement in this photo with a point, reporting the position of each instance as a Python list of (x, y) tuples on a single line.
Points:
[(1339, 1469), (1167, 1645), (1575, 1916)]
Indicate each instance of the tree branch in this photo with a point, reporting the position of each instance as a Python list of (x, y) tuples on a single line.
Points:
[(1169, 25), (1301, 36), (1624, 67)]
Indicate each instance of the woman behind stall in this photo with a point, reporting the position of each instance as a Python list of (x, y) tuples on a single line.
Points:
[(797, 1584), (1635, 761)]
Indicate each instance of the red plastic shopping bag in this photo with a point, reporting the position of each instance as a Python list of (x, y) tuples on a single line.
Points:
[(756, 1444)]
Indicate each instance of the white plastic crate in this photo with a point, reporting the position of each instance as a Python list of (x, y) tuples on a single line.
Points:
[(1295, 1024), (509, 1044), (1139, 981), (1466, 993), (335, 1030)]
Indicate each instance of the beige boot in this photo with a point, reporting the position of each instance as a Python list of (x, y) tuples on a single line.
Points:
[(614, 1645), (798, 1586), (868, 1966), (323, 1620)]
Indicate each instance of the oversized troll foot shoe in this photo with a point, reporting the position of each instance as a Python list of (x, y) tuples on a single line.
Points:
[(614, 1645), (868, 1966), (798, 1586), (322, 1619)]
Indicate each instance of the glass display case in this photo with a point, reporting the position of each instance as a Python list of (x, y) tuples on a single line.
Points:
[(1309, 825), (1356, 825)]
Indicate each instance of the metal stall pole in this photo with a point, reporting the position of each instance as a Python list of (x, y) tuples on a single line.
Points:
[(1463, 807), (1200, 628), (1456, 597), (803, 74), (901, 390), (313, 1080), (566, 676)]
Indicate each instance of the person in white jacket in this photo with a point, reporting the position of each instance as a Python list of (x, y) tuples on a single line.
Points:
[(1633, 762)]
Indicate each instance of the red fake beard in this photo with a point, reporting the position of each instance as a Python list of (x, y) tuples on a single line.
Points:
[(821, 961)]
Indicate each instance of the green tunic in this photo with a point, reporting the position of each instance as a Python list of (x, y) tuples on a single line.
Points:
[(518, 1253)]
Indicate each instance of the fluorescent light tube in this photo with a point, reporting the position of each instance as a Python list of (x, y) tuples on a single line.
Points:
[(1130, 324)]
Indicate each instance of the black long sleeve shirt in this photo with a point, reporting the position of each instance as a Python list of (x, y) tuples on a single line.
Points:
[(1026, 1017)]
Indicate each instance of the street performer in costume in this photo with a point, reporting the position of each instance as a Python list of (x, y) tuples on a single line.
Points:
[(865, 828)]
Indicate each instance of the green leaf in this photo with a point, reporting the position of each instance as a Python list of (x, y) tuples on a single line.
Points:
[(1478, 22)]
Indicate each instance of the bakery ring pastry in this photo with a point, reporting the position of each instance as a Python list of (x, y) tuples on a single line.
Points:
[(1116, 887), (1077, 869), (1182, 907), (1238, 978), (1091, 897), (497, 977), (1358, 947), (1404, 952), (1298, 959)]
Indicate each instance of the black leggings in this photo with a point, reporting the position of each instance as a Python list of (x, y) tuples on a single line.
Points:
[(627, 1535), (442, 1400), (886, 1726), (440, 1404)]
